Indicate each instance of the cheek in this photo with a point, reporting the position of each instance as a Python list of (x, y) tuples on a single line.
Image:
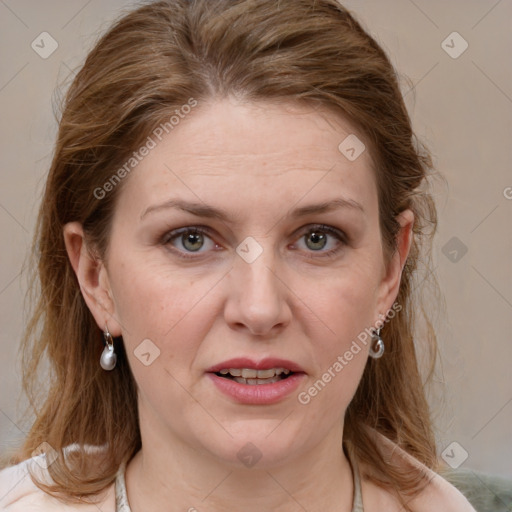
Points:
[(340, 312), (166, 306), (171, 311), (344, 302)]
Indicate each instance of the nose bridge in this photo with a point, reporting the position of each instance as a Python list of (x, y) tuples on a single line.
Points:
[(258, 298), (255, 263)]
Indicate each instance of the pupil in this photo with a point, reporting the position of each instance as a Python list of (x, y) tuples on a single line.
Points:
[(192, 241), (318, 240)]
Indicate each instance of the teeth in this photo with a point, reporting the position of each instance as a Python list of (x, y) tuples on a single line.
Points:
[(264, 374), (250, 373), (253, 382)]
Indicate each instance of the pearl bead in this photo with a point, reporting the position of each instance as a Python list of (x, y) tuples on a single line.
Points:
[(108, 359)]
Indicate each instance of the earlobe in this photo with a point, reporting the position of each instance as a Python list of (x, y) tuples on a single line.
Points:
[(92, 277)]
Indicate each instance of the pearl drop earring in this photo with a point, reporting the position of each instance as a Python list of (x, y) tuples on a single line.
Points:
[(108, 357)]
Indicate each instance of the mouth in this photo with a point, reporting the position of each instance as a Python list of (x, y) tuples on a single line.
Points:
[(254, 377), (256, 382)]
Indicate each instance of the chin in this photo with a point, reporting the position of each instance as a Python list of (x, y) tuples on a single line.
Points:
[(255, 445)]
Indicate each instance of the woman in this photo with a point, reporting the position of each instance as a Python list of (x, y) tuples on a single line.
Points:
[(226, 248)]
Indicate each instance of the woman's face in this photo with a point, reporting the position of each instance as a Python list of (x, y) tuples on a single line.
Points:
[(246, 234)]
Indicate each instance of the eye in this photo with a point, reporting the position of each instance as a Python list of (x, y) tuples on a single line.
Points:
[(316, 241), (189, 240), (325, 240)]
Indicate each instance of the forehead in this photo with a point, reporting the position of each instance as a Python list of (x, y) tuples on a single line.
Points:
[(253, 154)]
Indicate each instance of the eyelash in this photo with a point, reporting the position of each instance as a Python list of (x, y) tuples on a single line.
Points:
[(336, 233), (203, 230)]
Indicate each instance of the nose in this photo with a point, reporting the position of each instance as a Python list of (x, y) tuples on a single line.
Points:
[(258, 299)]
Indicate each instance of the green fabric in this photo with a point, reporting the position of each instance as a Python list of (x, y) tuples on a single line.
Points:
[(487, 493)]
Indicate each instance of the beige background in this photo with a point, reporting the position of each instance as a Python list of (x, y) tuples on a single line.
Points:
[(460, 107)]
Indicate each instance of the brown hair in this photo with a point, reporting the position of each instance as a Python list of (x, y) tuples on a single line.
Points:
[(150, 63)]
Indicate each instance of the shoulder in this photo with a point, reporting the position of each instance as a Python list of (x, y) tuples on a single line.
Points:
[(18, 493), (439, 494)]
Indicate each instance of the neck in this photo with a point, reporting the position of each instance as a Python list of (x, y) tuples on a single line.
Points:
[(173, 476)]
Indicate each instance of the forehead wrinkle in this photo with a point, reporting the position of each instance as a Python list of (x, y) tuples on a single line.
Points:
[(266, 171)]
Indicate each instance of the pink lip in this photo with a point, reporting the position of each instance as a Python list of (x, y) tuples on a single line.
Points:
[(259, 394), (263, 364)]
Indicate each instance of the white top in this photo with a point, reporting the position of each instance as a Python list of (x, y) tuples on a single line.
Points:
[(19, 494)]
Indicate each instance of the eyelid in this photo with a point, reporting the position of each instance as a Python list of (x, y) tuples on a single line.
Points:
[(328, 229), (340, 235), (171, 235), (174, 233), (337, 233)]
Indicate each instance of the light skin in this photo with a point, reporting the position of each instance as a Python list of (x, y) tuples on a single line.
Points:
[(259, 164)]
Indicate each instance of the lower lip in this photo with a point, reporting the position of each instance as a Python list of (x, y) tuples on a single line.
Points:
[(258, 394)]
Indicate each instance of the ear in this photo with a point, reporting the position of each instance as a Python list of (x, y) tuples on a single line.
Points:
[(390, 284), (93, 279)]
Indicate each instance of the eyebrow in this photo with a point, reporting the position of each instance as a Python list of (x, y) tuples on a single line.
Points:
[(203, 210)]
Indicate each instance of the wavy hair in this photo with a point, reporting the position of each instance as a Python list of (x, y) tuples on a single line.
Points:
[(150, 63)]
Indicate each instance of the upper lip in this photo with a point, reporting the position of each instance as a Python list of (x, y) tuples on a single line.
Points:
[(262, 364)]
